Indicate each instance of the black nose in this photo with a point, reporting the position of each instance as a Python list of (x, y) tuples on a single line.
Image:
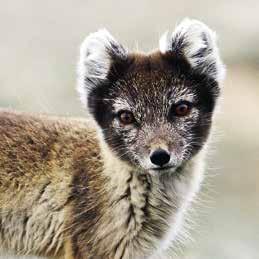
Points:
[(160, 157)]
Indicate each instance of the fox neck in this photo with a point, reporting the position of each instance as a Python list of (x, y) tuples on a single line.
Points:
[(144, 207)]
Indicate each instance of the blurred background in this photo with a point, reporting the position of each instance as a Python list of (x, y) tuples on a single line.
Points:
[(38, 54)]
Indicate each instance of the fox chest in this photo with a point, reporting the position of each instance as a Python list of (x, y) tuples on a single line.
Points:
[(139, 219)]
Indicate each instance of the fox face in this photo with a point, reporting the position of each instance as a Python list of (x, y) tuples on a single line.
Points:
[(154, 110)]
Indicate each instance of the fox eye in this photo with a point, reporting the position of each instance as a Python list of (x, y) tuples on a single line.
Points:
[(182, 108), (126, 117)]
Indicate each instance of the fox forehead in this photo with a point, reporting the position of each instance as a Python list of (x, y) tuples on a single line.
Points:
[(153, 80), (152, 69)]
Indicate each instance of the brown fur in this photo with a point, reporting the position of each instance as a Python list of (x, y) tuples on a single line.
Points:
[(37, 158)]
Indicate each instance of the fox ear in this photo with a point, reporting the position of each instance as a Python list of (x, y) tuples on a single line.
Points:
[(98, 52), (196, 42)]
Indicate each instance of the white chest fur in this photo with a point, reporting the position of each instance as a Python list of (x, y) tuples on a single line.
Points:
[(145, 212)]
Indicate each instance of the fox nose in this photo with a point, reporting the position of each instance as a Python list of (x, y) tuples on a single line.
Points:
[(160, 157)]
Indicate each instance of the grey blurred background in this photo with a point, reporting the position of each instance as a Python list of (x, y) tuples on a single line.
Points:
[(38, 53)]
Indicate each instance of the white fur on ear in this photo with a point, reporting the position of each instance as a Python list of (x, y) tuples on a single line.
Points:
[(197, 43), (96, 55)]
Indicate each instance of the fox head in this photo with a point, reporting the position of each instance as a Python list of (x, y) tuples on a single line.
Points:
[(154, 110)]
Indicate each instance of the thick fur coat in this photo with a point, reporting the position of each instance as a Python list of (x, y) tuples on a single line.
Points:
[(79, 189)]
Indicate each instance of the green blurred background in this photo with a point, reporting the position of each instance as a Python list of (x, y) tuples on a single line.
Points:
[(38, 54)]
